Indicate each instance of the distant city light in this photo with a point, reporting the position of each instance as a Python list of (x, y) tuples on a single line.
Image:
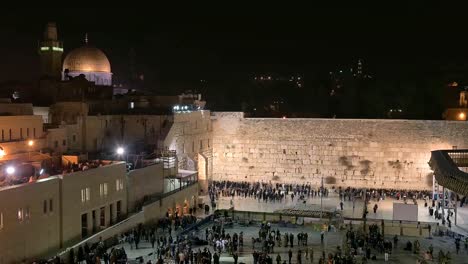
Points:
[(120, 151), (462, 116), (10, 170), (57, 49), (284, 117), (44, 48), (30, 143)]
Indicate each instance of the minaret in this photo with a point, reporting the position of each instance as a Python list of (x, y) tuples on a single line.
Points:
[(50, 51)]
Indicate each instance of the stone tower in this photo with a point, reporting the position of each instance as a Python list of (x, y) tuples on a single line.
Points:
[(50, 51)]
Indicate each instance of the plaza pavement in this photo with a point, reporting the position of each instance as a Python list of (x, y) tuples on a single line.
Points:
[(332, 239)]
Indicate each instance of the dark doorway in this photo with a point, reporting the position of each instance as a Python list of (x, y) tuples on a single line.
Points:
[(84, 225)]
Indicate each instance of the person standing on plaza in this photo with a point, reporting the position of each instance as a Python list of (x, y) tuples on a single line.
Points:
[(299, 257), (291, 239), (290, 255), (395, 241), (153, 240), (216, 258), (375, 208), (236, 257), (278, 259), (311, 257), (341, 205)]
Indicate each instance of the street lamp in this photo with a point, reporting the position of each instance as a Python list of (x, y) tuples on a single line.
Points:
[(10, 170), (120, 151), (30, 144)]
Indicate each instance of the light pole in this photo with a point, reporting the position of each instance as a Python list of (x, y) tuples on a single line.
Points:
[(30, 144), (10, 170), (120, 152), (2, 152), (321, 199)]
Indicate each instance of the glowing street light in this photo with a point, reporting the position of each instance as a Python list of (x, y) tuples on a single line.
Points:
[(120, 151), (10, 170), (462, 116), (30, 143)]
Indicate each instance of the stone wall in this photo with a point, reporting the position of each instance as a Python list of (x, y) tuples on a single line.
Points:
[(346, 152), (189, 136)]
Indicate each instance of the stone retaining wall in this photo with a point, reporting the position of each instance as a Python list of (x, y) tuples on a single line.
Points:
[(346, 152)]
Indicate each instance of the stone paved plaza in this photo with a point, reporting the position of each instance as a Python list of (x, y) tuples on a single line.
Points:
[(331, 241), (385, 208)]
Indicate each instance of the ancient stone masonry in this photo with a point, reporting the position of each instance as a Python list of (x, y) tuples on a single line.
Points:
[(346, 152)]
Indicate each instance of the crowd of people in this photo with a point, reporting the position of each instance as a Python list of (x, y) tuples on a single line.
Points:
[(266, 192)]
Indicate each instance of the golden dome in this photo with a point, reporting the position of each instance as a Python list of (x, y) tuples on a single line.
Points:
[(86, 59)]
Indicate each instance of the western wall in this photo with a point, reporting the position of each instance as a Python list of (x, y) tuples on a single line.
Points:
[(344, 152)]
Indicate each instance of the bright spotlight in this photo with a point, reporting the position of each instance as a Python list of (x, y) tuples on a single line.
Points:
[(462, 116), (10, 170), (30, 143), (41, 171), (120, 150)]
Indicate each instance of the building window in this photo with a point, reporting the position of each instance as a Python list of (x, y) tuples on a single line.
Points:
[(20, 214), (27, 132), (44, 207), (21, 133), (51, 205), (56, 144), (103, 189), (118, 184), (1, 221), (3, 135), (193, 146), (85, 195), (74, 138), (208, 142), (64, 142), (27, 215), (34, 132), (10, 133), (201, 144)]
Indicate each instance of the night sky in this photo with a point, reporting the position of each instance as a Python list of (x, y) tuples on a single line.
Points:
[(212, 43), (227, 44)]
